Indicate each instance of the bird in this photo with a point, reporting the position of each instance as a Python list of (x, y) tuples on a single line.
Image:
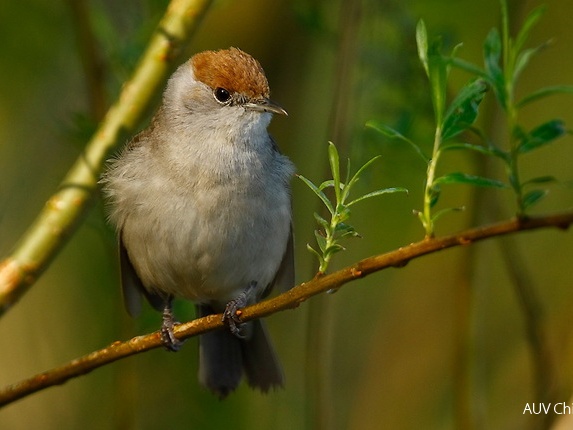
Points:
[(201, 203)]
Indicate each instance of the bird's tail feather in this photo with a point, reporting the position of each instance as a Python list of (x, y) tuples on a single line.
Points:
[(223, 358)]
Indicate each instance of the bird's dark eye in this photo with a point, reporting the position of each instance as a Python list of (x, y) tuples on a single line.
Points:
[(222, 95)]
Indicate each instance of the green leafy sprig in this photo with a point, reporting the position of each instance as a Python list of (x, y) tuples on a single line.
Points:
[(450, 122), (505, 59), (332, 231)]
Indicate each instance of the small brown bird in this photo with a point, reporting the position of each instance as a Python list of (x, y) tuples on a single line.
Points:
[(201, 202)]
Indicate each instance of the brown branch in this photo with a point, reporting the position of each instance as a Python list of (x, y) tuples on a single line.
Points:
[(288, 300)]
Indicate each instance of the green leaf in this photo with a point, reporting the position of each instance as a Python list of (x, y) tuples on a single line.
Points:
[(335, 168), (393, 134), (492, 56), (464, 178), (342, 229), (452, 55), (318, 192), (469, 67), (477, 148), (422, 43), (321, 221), (544, 92), (326, 184), (438, 67), (333, 249), (321, 240), (542, 135), (445, 211), (532, 197), (492, 53), (315, 252), (523, 60), (463, 111), (378, 193), (435, 192), (541, 180), (357, 175), (343, 213), (346, 179), (527, 26)]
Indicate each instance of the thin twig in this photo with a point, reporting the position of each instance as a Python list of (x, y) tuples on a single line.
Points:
[(93, 65), (63, 211), (320, 407), (544, 373), (288, 300)]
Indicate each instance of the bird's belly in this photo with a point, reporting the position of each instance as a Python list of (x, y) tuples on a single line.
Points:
[(206, 253)]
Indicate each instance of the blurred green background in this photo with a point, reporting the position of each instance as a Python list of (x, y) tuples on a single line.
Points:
[(438, 344)]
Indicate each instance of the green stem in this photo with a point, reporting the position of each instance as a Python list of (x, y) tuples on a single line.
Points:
[(430, 177), (509, 59), (330, 237), (65, 209), (512, 127)]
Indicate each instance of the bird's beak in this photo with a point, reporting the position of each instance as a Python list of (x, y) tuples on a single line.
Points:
[(266, 105)]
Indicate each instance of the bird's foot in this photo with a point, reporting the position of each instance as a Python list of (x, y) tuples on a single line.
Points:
[(232, 312), (170, 342)]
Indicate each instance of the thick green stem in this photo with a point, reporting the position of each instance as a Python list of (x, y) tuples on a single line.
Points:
[(64, 210)]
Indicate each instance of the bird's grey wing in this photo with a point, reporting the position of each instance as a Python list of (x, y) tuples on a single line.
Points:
[(284, 279), (132, 287)]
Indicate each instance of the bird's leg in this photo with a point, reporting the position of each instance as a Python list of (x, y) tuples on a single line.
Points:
[(167, 336), (231, 316)]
